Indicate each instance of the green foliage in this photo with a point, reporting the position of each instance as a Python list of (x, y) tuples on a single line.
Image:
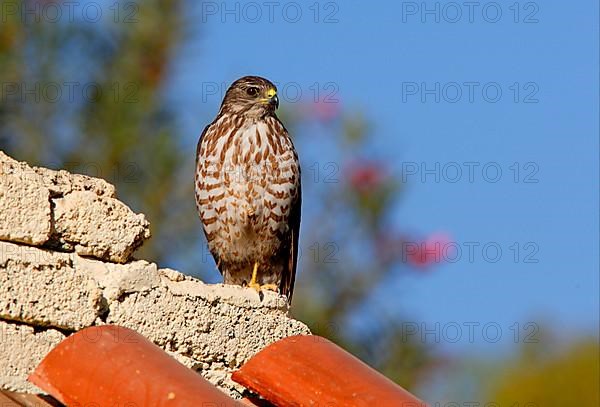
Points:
[(112, 123), (562, 378)]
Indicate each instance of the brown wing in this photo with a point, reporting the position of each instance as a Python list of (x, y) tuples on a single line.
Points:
[(200, 142), (198, 147), (289, 275)]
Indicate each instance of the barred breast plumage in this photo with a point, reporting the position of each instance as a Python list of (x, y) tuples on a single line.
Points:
[(248, 196)]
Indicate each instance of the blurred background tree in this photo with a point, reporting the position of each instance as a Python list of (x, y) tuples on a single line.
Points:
[(92, 98), (544, 370), (565, 376), (87, 96)]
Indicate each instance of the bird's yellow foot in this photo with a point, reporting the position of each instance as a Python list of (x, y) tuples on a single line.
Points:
[(256, 286)]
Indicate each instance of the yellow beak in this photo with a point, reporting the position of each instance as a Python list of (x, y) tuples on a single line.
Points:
[(272, 98)]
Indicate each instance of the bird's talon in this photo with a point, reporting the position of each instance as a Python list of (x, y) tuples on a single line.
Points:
[(254, 286)]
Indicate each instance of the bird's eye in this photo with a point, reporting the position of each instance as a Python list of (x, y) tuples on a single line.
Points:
[(252, 91)]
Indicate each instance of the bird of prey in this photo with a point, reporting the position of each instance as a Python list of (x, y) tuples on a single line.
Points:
[(247, 187)]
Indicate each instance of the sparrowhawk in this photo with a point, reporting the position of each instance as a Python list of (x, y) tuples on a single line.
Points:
[(247, 188)]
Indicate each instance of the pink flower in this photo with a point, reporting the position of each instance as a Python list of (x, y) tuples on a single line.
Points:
[(326, 110), (366, 176), (433, 250)]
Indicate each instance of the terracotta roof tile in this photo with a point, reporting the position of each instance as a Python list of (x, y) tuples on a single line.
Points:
[(308, 370), (112, 365)]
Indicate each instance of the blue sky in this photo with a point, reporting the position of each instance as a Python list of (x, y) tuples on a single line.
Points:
[(383, 59)]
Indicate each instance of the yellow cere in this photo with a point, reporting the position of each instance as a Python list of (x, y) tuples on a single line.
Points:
[(271, 92)]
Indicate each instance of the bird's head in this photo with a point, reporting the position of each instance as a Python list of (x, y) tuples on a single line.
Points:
[(251, 96)]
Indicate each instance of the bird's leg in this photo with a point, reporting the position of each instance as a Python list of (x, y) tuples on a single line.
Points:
[(257, 286), (253, 283)]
